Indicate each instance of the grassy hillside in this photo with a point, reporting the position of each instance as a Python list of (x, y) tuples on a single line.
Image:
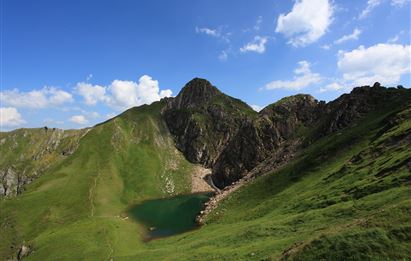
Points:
[(75, 210), (346, 195), (28, 153)]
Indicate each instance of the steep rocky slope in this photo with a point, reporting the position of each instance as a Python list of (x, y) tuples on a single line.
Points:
[(224, 134), (275, 135), (203, 120)]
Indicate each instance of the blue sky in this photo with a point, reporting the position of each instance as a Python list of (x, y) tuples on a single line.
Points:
[(72, 64)]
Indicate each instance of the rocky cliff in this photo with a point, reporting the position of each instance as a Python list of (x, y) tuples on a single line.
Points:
[(203, 120), (222, 133)]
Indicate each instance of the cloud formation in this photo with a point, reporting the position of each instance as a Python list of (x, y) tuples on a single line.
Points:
[(371, 4), (223, 56), (91, 93), (353, 36), (217, 33), (384, 63), (307, 21), (257, 108), (35, 99), (208, 31), (79, 119), (258, 23), (122, 94), (303, 77), (10, 117), (335, 86), (257, 45), (399, 3)]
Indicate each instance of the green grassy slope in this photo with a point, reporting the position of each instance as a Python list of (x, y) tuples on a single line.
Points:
[(30, 152), (346, 197), (75, 210)]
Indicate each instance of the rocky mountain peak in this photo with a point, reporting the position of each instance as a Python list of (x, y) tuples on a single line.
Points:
[(196, 92), (291, 103)]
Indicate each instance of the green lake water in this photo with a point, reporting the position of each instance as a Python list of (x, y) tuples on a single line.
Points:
[(169, 216)]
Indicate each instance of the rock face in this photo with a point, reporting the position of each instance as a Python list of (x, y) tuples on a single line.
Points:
[(348, 108), (203, 120), (223, 134), (23, 252), (276, 127), (9, 182)]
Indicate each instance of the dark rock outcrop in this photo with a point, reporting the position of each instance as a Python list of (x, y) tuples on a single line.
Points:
[(203, 120), (348, 108), (224, 134), (277, 126)]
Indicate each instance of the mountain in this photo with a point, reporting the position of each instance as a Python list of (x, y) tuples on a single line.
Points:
[(300, 180)]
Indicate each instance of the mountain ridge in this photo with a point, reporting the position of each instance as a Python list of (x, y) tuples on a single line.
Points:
[(302, 179), (200, 106)]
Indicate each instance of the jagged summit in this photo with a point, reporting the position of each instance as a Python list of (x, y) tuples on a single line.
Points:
[(203, 119), (195, 92)]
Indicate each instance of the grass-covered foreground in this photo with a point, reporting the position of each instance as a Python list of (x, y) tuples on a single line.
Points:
[(76, 210), (346, 196)]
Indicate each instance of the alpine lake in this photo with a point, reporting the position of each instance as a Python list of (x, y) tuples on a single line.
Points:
[(169, 216)]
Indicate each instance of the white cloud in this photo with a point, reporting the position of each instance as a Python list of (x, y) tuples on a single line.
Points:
[(126, 94), (395, 38), (371, 4), (217, 33), (303, 77), (10, 117), (93, 114), (256, 107), (354, 36), (326, 46), (208, 31), (165, 93), (307, 21), (332, 87), (88, 78), (46, 97), (79, 119), (110, 115), (122, 94), (399, 3), (258, 23), (384, 63), (91, 93), (257, 45), (223, 56)]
